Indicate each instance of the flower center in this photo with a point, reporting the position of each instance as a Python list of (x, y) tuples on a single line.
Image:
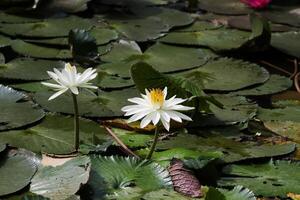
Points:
[(157, 97)]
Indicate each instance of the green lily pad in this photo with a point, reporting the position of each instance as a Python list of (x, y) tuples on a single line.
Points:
[(62, 181), (236, 110), (199, 26), (16, 18), (4, 41), (287, 42), (106, 81), (36, 51), (16, 171), (237, 193), (288, 129), (55, 135), (106, 104), (2, 147), (218, 40), (233, 150), (133, 139), (223, 70), (30, 87), (15, 114), (28, 69), (283, 14), (160, 56), (2, 58), (289, 113), (147, 23), (59, 27), (230, 7), (276, 178), (275, 84)]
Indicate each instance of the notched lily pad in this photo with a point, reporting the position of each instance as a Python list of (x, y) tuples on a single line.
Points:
[(55, 135), (15, 114), (62, 181), (16, 171), (28, 69)]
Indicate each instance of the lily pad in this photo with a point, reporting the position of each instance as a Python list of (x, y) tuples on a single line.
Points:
[(289, 15), (289, 113), (270, 179), (160, 56), (287, 42), (4, 41), (227, 7), (218, 40), (288, 129), (164, 194), (15, 114), (233, 150), (36, 51), (275, 84), (59, 27), (55, 135), (147, 23), (22, 165), (62, 181), (28, 69), (236, 110), (222, 71), (106, 104)]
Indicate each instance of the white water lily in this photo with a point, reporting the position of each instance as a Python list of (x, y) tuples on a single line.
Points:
[(153, 106), (69, 79)]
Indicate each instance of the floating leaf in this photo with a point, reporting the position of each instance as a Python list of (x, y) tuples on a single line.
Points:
[(287, 42), (275, 84), (4, 41), (28, 69), (16, 114), (62, 181), (288, 129), (16, 171), (233, 150), (160, 56), (54, 135), (58, 27), (36, 51), (231, 7), (222, 70), (271, 179), (106, 104)]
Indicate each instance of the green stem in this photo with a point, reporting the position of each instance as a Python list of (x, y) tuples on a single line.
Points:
[(76, 123), (153, 144)]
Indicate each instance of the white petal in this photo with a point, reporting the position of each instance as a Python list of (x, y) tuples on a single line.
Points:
[(136, 117), (89, 86), (180, 107), (174, 116), (74, 90), (57, 94), (172, 102), (166, 124), (182, 116), (165, 91), (156, 117), (138, 100), (56, 86), (147, 120), (165, 116)]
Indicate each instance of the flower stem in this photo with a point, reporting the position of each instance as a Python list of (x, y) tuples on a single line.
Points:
[(153, 144), (76, 123)]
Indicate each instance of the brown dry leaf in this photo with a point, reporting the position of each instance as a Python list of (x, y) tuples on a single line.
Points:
[(294, 196)]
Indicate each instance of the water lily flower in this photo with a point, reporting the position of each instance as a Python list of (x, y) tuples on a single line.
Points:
[(257, 4), (69, 79), (153, 106)]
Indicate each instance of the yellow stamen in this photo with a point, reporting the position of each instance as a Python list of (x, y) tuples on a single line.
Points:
[(69, 67), (157, 96)]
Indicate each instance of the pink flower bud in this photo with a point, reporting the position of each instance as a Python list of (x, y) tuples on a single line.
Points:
[(257, 4)]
